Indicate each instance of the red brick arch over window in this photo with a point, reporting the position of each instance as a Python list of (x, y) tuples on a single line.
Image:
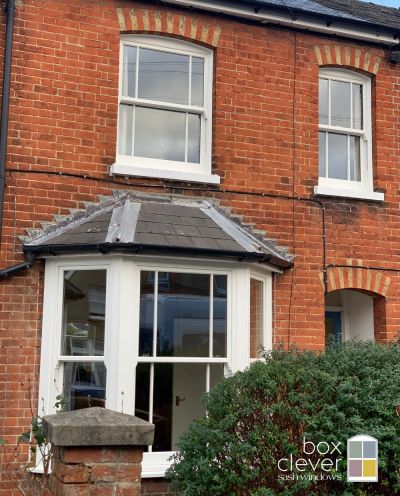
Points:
[(151, 20), (347, 56), (374, 282)]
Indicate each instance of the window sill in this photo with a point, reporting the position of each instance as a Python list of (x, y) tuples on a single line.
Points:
[(156, 464), (193, 177), (349, 193)]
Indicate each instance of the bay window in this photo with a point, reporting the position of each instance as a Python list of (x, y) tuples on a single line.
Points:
[(149, 336)]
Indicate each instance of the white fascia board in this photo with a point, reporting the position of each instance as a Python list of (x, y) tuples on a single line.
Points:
[(307, 22)]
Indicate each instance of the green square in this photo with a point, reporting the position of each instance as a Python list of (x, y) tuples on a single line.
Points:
[(355, 449)]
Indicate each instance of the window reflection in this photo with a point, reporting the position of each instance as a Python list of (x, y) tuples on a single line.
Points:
[(84, 385), (84, 312), (183, 315)]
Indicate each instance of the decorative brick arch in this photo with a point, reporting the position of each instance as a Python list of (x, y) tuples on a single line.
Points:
[(373, 281), (161, 21), (347, 56)]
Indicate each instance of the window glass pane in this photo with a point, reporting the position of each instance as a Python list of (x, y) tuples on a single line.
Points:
[(129, 71), (177, 398), (256, 317), (194, 138), (357, 106), (125, 129), (337, 156), (197, 81), (216, 373), (160, 134), (146, 313), (142, 391), (178, 393), (163, 76), (340, 104), (323, 101), (220, 312), (183, 314), (84, 312), (355, 171), (84, 385), (322, 155)]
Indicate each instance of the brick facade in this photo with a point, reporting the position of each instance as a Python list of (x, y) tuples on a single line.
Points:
[(62, 141)]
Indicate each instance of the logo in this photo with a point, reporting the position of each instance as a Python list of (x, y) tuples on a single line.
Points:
[(362, 459), (318, 462)]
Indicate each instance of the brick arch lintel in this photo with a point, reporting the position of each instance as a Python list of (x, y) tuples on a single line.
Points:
[(370, 280), (347, 56), (165, 22)]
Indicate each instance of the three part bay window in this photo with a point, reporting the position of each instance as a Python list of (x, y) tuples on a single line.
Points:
[(149, 337)]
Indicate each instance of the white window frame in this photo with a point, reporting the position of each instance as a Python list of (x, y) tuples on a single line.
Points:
[(267, 314), (121, 352), (167, 169), (346, 188)]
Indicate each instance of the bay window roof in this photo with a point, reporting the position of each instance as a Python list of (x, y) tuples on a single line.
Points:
[(156, 225)]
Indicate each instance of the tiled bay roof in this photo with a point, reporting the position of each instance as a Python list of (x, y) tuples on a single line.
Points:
[(150, 224)]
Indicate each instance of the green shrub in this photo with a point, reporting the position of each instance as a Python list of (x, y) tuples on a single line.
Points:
[(261, 415)]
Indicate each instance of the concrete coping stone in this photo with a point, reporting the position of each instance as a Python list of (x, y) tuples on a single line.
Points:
[(97, 427)]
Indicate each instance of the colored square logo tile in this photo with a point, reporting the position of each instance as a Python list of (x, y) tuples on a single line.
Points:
[(369, 468), (355, 449), (355, 468), (369, 449)]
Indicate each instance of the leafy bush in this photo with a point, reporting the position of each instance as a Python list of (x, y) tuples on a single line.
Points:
[(261, 415)]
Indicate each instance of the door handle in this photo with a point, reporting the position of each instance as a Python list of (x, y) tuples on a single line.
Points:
[(178, 400)]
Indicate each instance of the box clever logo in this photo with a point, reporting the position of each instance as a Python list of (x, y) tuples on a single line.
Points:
[(362, 459), (320, 462)]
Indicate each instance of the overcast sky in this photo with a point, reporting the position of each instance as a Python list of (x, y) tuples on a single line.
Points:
[(389, 3)]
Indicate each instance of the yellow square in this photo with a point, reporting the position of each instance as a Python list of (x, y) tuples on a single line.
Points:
[(369, 468)]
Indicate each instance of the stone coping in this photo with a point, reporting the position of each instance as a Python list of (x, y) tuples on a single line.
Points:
[(97, 427)]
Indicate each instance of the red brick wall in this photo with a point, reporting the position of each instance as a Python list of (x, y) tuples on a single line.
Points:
[(63, 115)]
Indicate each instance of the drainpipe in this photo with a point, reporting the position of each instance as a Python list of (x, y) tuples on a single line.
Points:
[(10, 10)]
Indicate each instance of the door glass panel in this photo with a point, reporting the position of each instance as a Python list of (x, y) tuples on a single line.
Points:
[(220, 316), (84, 385), (256, 317), (183, 314), (337, 156), (163, 76), (84, 312), (340, 104), (160, 134)]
